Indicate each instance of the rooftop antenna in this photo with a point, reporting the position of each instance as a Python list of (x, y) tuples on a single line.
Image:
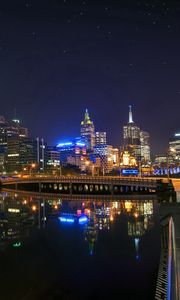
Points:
[(130, 115)]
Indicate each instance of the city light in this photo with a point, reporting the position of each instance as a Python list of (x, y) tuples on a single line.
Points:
[(111, 218), (17, 245), (65, 144), (34, 208), (130, 171), (66, 219), (83, 219), (136, 215)]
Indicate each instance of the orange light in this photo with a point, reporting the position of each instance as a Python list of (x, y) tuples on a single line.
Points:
[(111, 218), (33, 165), (25, 202), (34, 208), (55, 206), (136, 215)]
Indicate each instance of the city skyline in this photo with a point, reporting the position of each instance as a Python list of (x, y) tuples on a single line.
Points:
[(64, 138), (59, 58)]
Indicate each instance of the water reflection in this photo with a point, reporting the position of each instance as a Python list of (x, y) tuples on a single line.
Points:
[(110, 229), (18, 214)]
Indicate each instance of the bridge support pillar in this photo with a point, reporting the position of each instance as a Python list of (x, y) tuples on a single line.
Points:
[(111, 187), (70, 188), (39, 187)]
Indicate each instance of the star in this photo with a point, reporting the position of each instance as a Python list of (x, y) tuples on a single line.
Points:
[(34, 35), (66, 51), (28, 4)]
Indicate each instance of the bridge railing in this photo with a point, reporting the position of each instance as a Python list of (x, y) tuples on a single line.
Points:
[(170, 264), (81, 178)]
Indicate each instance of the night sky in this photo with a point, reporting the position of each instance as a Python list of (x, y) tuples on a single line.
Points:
[(58, 58)]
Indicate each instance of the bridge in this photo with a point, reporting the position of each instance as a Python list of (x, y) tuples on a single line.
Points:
[(91, 186)]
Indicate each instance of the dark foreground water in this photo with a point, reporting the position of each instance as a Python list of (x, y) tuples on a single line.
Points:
[(54, 249)]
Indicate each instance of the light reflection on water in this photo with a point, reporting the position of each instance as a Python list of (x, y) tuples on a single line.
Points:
[(118, 242)]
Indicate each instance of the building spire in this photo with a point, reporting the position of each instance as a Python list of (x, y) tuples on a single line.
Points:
[(15, 120), (87, 119), (130, 115)]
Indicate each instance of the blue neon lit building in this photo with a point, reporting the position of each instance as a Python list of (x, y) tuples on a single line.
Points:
[(72, 151)]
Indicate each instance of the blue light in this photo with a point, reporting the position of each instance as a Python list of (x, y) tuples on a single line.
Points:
[(80, 144), (66, 220), (130, 171), (65, 144), (83, 219)]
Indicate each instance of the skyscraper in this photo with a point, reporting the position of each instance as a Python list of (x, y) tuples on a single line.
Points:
[(145, 146), (88, 131), (174, 145), (131, 137), (10, 130)]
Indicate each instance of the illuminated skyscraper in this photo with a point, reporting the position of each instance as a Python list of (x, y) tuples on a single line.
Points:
[(131, 136), (88, 131), (145, 146), (174, 146), (10, 130)]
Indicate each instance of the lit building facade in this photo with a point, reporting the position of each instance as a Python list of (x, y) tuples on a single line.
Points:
[(174, 146), (87, 131), (100, 138), (9, 130), (72, 152), (53, 159), (108, 157), (145, 146), (21, 153)]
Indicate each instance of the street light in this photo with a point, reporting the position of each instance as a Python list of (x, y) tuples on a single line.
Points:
[(33, 166)]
